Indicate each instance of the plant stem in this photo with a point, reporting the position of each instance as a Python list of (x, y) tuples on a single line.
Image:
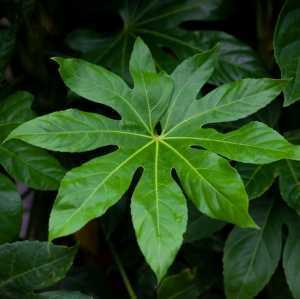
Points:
[(122, 271)]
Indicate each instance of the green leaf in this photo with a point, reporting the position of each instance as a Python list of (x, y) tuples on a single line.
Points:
[(230, 102), (10, 210), (62, 295), (158, 24), (25, 163), (32, 166), (291, 257), (236, 59), (179, 286), (254, 143), (203, 172), (169, 166), (289, 176), (202, 227), (251, 256), (287, 49), (257, 178), (14, 110), (194, 72), (32, 265), (289, 183)]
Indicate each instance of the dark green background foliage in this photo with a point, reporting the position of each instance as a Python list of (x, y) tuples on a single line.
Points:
[(156, 156)]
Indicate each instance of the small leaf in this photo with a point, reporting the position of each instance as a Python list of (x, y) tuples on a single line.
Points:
[(10, 210), (32, 265), (202, 227), (257, 178), (180, 286), (287, 49), (251, 256)]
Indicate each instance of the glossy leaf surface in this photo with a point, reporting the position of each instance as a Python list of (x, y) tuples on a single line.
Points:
[(158, 205)]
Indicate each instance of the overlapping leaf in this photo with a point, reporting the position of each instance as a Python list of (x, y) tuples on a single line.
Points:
[(158, 24), (287, 49), (10, 210), (251, 256), (289, 176), (257, 178), (28, 164), (291, 258), (158, 206), (32, 265)]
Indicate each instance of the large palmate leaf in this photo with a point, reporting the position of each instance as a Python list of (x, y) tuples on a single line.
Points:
[(158, 206), (251, 256), (287, 48), (28, 164), (10, 210), (157, 22), (31, 265)]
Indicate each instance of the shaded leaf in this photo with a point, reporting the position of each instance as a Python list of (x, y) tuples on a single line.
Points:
[(180, 286), (291, 257), (32, 166), (62, 295), (10, 210), (202, 227), (287, 49), (15, 110), (157, 23), (32, 265), (289, 182), (257, 178), (251, 256)]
